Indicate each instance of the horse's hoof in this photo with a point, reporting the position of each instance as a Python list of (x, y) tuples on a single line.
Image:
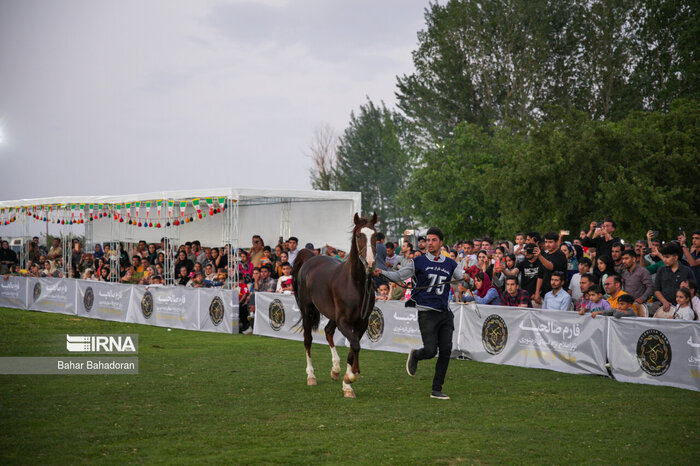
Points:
[(349, 393), (311, 381), (335, 374)]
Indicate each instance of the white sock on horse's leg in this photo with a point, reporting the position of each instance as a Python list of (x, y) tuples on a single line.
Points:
[(335, 370), (350, 376), (310, 376), (348, 392)]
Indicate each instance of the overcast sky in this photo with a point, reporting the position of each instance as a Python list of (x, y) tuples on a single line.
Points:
[(118, 97)]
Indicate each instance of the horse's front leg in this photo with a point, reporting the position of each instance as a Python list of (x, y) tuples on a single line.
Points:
[(352, 367)]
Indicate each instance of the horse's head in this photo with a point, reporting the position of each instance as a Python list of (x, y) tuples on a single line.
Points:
[(365, 237)]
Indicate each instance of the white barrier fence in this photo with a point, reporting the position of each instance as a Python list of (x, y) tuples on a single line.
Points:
[(205, 309), (652, 351)]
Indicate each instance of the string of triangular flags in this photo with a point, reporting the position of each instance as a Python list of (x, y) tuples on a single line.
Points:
[(138, 213)]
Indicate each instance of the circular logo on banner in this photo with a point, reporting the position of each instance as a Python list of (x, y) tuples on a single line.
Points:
[(216, 311), (276, 314), (89, 298), (654, 352), (147, 304), (494, 334), (37, 290), (375, 326)]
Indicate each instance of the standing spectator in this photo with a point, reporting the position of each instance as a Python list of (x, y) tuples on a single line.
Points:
[(528, 269), (518, 247), (422, 244), (557, 298), (636, 280), (601, 237), (692, 255), (584, 267), (34, 253), (669, 277), (245, 268), (515, 296), (209, 272), (603, 269), (380, 256), (392, 259), (616, 255), (56, 250), (405, 259), (293, 251), (257, 250), (571, 262), (277, 272), (552, 260), (8, 258), (152, 255)]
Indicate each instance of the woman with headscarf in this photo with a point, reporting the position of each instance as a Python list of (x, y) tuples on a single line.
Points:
[(571, 262), (604, 267), (485, 292)]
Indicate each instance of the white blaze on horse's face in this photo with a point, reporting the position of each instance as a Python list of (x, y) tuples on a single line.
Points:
[(368, 232)]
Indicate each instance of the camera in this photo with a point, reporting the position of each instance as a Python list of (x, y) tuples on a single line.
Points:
[(655, 233)]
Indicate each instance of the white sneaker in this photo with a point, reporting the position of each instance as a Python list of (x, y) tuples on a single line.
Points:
[(247, 331)]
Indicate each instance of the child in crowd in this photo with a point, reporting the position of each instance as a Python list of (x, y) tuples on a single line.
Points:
[(625, 308), (286, 270), (596, 302), (382, 293), (684, 307)]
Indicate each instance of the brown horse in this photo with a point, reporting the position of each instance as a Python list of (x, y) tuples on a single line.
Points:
[(341, 291)]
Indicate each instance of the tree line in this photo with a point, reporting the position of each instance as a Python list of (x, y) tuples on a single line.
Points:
[(538, 114)]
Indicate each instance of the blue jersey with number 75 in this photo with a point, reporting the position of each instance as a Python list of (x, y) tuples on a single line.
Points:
[(432, 284)]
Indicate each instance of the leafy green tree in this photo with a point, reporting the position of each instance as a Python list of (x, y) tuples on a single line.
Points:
[(370, 159)]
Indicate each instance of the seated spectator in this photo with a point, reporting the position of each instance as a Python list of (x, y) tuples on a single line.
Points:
[(34, 270), (557, 298), (584, 266), (8, 258), (245, 268), (282, 258), (636, 280), (183, 261), (613, 287), (485, 292), (382, 293), (157, 280), (89, 275), (669, 277), (515, 296), (105, 273), (396, 293), (624, 309), (56, 250), (183, 277), (267, 283), (694, 300), (287, 286), (267, 256), (209, 272), (596, 301), (684, 306), (286, 271), (585, 283), (197, 280), (129, 276)]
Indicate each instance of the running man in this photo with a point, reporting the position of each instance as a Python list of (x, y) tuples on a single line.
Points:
[(431, 274)]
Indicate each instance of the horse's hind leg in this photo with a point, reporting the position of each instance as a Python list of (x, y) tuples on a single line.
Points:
[(310, 377), (335, 359)]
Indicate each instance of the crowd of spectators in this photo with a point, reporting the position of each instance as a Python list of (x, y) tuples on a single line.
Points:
[(595, 273)]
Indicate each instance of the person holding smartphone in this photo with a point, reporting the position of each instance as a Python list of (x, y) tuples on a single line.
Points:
[(601, 237)]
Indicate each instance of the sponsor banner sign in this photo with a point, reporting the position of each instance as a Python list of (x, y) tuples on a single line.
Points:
[(51, 295), (175, 307), (276, 315), (13, 292), (217, 309), (556, 340), (655, 351), (102, 300)]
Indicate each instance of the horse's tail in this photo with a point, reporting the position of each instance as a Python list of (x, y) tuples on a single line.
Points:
[(308, 313)]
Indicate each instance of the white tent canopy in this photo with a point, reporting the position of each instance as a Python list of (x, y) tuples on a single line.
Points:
[(318, 217)]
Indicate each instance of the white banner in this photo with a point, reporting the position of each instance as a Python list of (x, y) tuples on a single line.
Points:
[(277, 314), (52, 295), (13, 292), (218, 310), (101, 300), (175, 307), (655, 351), (556, 340), (392, 326)]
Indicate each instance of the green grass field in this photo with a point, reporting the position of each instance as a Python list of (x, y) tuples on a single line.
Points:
[(212, 398)]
